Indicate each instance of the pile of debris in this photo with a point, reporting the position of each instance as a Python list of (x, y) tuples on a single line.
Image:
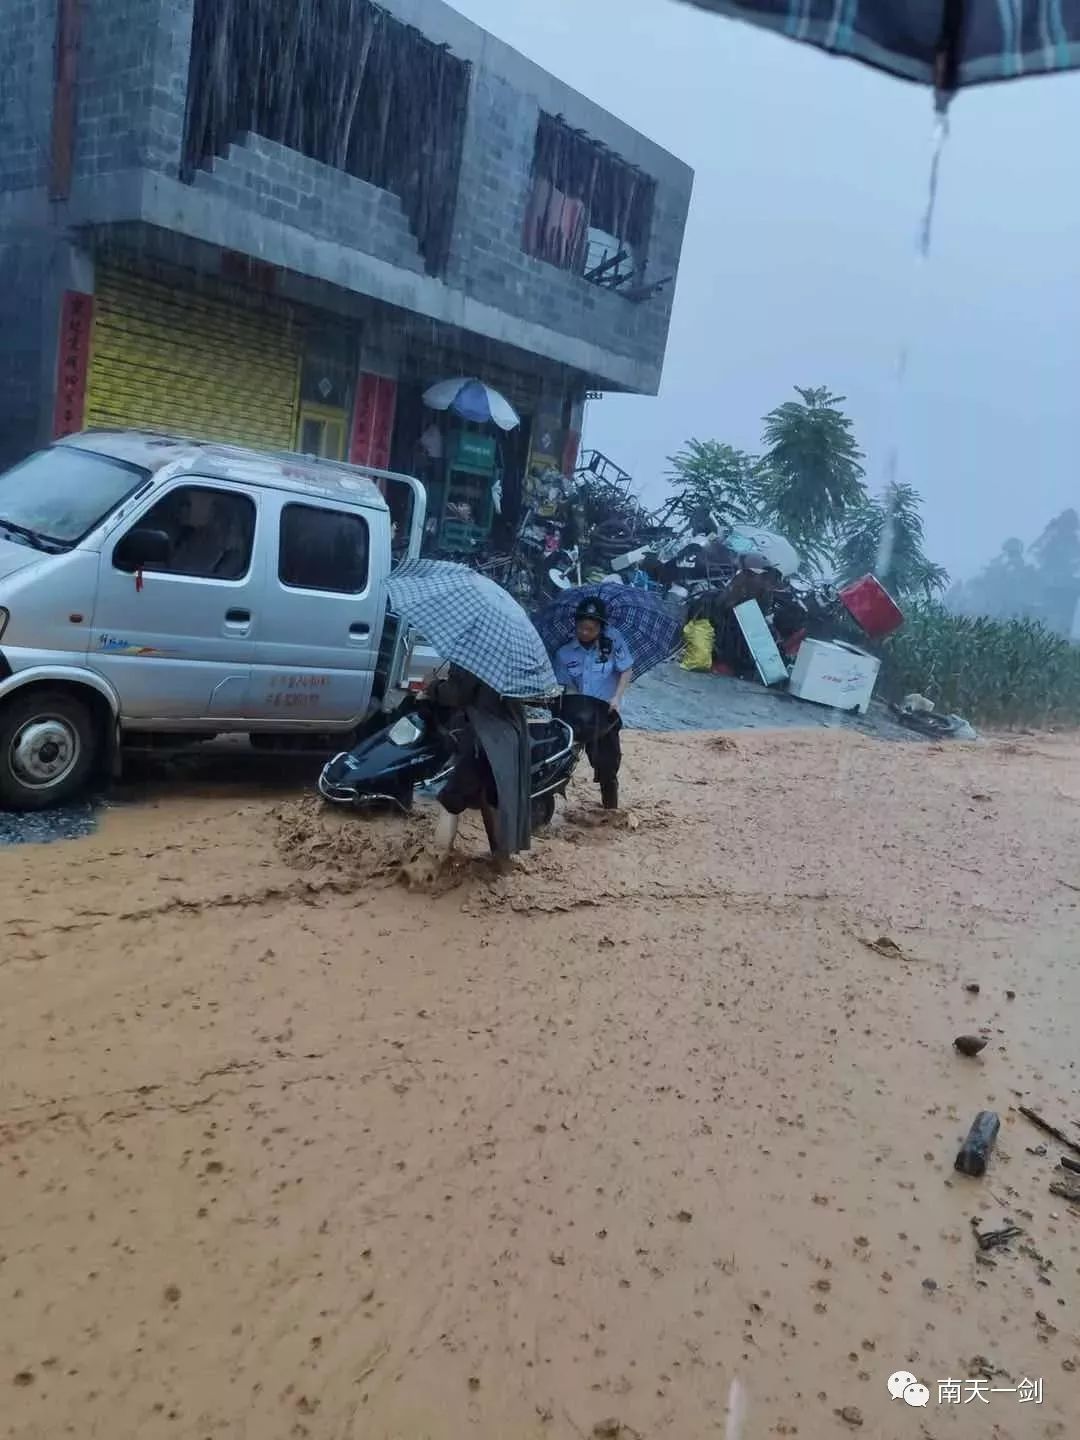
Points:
[(812, 639)]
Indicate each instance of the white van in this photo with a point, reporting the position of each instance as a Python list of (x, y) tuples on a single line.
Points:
[(151, 585)]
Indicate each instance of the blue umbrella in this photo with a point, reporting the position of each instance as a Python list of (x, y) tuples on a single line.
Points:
[(473, 400), (651, 634)]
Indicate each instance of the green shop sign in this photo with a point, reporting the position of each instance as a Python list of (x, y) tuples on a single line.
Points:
[(476, 453)]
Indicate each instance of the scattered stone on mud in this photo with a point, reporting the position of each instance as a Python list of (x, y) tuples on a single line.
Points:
[(974, 1153), (851, 1415), (884, 945), (724, 744), (969, 1045), (972, 987)]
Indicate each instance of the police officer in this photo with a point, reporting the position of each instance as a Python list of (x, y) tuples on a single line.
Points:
[(597, 662)]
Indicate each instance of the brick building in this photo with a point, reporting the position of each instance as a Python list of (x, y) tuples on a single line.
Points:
[(279, 224)]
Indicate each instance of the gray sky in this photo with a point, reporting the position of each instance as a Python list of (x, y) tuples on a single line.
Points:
[(800, 259)]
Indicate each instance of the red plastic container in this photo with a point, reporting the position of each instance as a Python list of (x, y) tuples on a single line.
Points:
[(871, 607)]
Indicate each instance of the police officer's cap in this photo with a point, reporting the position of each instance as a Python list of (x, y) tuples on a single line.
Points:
[(592, 608)]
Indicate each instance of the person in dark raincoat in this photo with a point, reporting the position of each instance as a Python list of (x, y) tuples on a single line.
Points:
[(490, 774)]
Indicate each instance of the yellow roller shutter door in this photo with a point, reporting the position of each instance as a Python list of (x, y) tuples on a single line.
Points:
[(193, 357)]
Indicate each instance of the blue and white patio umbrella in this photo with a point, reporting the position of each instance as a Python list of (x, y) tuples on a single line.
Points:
[(472, 400)]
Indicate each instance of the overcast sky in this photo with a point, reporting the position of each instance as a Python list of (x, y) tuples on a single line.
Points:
[(800, 260)]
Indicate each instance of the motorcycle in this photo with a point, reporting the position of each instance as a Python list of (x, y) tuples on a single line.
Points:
[(417, 746)]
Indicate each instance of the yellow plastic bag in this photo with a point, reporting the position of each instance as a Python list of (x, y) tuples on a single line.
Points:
[(698, 636)]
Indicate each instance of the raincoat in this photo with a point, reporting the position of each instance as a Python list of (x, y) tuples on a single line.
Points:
[(499, 729)]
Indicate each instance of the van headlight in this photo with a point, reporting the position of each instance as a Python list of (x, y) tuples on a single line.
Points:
[(4, 617)]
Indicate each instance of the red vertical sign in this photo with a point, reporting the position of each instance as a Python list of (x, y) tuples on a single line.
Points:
[(72, 362), (373, 421)]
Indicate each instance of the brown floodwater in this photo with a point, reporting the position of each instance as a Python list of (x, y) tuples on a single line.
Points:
[(287, 1151)]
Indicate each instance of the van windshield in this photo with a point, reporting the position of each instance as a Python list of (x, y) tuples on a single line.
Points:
[(54, 498)]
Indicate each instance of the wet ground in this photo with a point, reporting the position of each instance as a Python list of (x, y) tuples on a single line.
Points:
[(667, 699), (667, 1115), (671, 698), (69, 822)]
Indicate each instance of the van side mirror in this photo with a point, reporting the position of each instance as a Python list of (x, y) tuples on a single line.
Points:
[(141, 548)]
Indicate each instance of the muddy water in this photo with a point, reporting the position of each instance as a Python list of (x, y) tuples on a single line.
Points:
[(286, 1152), (667, 699)]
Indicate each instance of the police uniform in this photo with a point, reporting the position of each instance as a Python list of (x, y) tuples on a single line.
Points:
[(595, 670)]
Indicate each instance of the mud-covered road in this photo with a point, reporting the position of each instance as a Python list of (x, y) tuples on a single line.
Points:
[(288, 1152), (669, 698)]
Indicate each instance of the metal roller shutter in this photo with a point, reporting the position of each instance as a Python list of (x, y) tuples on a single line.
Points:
[(196, 357)]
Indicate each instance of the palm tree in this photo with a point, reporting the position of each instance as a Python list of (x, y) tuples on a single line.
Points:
[(884, 537), (707, 476), (811, 475)]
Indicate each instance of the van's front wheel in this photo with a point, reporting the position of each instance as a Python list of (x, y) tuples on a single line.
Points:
[(48, 745)]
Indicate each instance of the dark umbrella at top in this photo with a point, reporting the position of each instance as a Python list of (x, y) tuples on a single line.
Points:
[(945, 43), (474, 623), (649, 631)]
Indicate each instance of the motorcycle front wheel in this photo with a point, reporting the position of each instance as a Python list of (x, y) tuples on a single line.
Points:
[(542, 811)]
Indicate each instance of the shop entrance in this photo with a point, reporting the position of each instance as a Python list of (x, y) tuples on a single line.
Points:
[(186, 353), (473, 475), (322, 431)]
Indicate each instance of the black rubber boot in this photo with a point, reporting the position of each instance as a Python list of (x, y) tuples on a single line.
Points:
[(609, 795)]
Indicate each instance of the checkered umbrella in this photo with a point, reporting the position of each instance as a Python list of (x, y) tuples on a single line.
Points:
[(944, 43), (651, 634), (474, 623)]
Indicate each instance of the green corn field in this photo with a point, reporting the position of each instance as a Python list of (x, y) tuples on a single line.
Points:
[(993, 672)]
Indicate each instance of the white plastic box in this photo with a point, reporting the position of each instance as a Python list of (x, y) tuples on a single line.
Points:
[(834, 673)]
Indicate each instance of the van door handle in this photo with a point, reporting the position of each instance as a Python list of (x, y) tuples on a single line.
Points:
[(238, 621), (359, 631)]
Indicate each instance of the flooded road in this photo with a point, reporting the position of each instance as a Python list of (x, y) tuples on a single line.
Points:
[(288, 1152), (667, 699)]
